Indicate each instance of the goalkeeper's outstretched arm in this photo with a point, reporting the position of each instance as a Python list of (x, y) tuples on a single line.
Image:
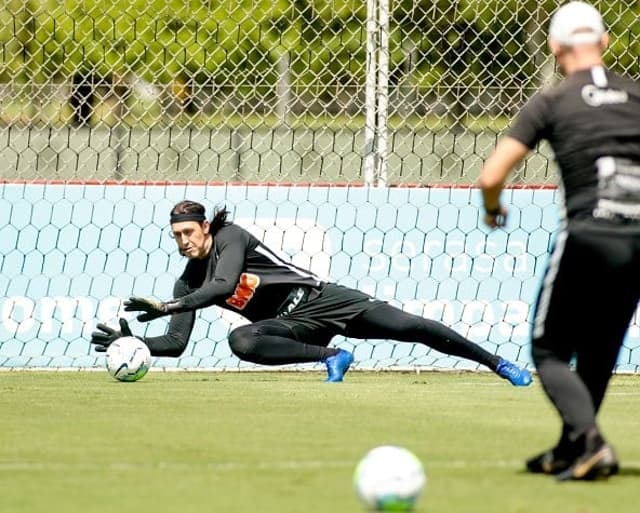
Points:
[(173, 343), (229, 266), (175, 340)]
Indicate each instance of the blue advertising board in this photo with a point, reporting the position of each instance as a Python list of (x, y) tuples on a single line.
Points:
[(71, 253)]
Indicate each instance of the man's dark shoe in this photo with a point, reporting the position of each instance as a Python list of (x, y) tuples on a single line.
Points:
[(592, 464), (548, 462)]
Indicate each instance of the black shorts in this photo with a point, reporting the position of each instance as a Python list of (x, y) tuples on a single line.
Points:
[(327, 313), (591, 289)]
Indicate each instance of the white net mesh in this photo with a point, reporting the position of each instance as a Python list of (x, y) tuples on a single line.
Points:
[(111, 111)]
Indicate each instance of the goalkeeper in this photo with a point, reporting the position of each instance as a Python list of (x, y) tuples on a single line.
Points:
[(293, 313)]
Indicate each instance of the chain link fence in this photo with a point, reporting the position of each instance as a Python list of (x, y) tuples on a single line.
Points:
[(273, 91)]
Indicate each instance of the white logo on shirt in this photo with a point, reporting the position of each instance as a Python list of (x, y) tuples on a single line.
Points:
[(595, 96)]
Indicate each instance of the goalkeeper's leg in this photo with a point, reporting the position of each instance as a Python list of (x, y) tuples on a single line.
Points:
[(272, 342), (385, 321)]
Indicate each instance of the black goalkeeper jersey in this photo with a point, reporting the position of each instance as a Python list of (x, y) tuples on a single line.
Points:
[(592, 114), (240, 274)]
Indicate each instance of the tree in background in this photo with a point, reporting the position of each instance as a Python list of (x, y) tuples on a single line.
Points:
[(455, 59)]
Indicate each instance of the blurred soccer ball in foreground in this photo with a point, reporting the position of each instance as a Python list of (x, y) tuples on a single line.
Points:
[(128, 359), (389, 478)]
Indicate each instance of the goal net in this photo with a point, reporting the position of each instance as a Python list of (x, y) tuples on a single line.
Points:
[(346, 135)]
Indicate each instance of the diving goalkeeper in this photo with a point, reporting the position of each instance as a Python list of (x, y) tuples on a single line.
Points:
[(293, 314)]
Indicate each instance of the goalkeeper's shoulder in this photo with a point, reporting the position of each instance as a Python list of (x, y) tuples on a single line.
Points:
[(233, 235)]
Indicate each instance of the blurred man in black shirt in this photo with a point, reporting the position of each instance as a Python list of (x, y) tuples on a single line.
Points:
[(293, 313), (591, 286)]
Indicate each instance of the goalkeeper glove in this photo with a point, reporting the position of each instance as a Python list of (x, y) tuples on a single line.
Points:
[(152, 308), (106, 335)]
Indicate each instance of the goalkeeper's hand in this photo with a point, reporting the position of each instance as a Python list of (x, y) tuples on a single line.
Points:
[(152, 308), (106, 335)]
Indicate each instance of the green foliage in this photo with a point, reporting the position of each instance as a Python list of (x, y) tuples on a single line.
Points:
[(465, 43), (625, 22)]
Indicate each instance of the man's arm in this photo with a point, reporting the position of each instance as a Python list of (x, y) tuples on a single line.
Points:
[(175, 341), (493, 175), (172, 344), (232, 253), (232, 250)]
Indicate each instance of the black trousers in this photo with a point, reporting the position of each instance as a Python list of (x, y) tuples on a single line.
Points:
[(304, 335), (588, 297)]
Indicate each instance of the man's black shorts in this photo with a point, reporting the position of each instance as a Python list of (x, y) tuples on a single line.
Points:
[(327, 313)]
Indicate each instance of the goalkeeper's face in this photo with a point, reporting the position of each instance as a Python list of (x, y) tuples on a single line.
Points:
[(193, 238)]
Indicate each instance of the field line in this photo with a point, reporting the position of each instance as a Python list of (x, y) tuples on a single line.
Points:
[(230, 466)]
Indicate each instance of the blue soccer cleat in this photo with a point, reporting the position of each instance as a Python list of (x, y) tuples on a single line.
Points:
[(338, 365), (517, 376)]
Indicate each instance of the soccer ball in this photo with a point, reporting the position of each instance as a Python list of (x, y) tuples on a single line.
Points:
[(389, 478), (128, 359)]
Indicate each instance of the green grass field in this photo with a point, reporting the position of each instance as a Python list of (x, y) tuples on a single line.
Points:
[(288, 442)]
